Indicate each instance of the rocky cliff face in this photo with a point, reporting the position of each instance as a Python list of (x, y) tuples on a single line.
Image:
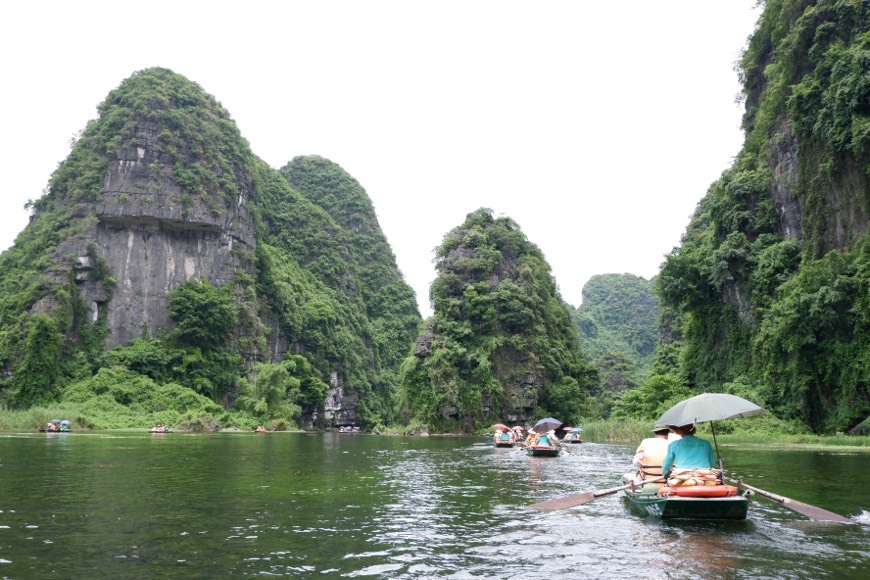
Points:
[(768, 284), (154, 236)]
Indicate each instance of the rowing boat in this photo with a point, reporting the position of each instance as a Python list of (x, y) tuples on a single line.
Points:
[(543, 451), (544, 446), (572, 438), (504, 440), (699, 502)]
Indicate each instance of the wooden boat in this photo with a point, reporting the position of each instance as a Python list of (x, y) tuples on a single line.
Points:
[(543, 447), (54, 430), (504, 440), (699, 502), (573, 438), (159, 431)]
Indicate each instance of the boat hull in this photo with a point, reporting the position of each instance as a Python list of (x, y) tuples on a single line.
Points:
[(543, 451), (504, 444), (695, 508)]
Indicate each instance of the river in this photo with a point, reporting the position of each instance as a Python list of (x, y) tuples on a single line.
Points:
[(327, 505)]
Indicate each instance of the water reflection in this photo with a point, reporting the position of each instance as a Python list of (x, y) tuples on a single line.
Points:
[(345, 506)]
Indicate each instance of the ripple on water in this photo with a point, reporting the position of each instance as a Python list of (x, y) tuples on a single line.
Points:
[(397, 508)]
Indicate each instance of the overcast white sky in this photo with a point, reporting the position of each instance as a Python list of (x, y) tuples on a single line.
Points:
[(596, 125)]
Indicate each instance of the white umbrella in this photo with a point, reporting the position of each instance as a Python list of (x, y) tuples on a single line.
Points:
[(708, 407)]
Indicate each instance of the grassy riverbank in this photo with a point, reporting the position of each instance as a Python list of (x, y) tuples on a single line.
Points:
[(631, 432), (87, 417), (744, 432)]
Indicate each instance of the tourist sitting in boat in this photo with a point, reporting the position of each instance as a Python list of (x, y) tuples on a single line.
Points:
[(548, 439), (52, 427), (689, 452), (572, 435), (532, 439), (260, 429), (649, 456)]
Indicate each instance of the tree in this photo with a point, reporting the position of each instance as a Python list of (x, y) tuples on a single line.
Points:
[(204, 316)]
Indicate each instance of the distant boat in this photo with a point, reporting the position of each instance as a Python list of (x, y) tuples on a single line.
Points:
[(504, 440), (573, 436), (545, 446)]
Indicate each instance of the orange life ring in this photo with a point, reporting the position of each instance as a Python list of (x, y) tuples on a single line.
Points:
[(699, 491)]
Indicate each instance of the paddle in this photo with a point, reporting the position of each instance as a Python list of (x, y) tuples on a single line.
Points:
[(810, 511), (569, 501)]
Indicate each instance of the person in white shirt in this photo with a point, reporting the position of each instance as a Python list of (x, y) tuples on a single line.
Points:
[(650, 454)]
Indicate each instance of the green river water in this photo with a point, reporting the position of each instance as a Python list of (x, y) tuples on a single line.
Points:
[(328, 505)]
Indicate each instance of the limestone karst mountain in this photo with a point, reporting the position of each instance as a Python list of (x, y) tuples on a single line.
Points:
[(160, 192), (500, 345)]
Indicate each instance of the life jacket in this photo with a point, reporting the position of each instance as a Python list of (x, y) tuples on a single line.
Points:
[(654, 452), (651, 471)]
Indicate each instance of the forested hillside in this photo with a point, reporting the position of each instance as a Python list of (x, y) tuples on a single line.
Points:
[(500, 345), (769, 287), (168, 273), (618, 325)]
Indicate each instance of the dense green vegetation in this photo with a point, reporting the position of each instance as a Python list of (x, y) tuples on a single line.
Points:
[(500, 344), (318, 303), (618, 325), (768, 290)]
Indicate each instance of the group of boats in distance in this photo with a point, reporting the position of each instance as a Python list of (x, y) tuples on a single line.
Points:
[(542, 440)]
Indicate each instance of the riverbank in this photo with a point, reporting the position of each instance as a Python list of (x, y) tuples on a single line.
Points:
[(742, 432), (631, 432)]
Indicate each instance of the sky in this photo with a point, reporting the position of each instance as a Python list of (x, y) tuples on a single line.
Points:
[(597, 126)]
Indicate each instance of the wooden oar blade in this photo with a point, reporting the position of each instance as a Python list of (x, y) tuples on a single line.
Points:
[(563, 503), (814, 512), (800, 507)]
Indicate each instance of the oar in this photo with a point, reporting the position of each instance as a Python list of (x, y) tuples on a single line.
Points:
[(569, 501), (810, 511)]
